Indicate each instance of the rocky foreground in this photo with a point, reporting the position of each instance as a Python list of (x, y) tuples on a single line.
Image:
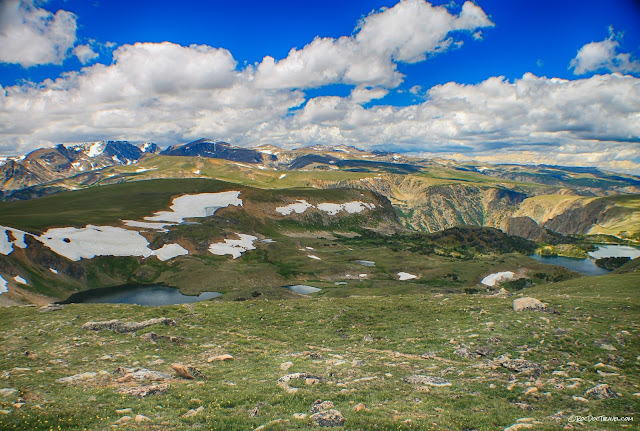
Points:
[(548, 358)]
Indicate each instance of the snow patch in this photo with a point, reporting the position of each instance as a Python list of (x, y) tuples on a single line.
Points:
[(96, 149), (20, 279), (312, 256), (402, 276), (3, 285), (6, 245), (299, 207), (492, 279), (199, 205), (350, 207), (140, 170), (169, 251), (197, 172), (55, 271), (145, 147), (92, 241), (282, 176), (234, 247)]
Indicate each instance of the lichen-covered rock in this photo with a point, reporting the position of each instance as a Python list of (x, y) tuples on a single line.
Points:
[(418, 379), (320, 405), (145, 391), (139, 374), (519, 365), (601, 392), (329, 418), (78, 378), (283, 381), (124, 327), (522, 304)]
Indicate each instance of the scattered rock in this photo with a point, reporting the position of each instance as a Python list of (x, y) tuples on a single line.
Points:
[(557, 417), (581, 399), (359, 407), (527, 303), (139, 374), (320, 405), (531, 390), (286, 365), (300, 416), (123, 420), (50, 307), (124, 327), (153, 337), (283, 381), (518, 426), (224, 357), (187, 372), (523, 406), (601, 392), (519, 365), (418, 379), (145, 391), (77, 378), (123, 411), (367, 338), (329, 418), (465, 352), (7, 392), (141, 418), (193, 412), (604, 344)]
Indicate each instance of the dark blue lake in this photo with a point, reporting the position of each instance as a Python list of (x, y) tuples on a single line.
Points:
[(588, 266), (138, 294), (585, 266)]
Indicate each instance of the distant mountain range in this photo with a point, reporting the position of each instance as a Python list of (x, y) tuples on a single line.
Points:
[(428, 194)]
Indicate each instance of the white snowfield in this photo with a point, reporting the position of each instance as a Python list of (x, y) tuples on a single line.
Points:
[(234, 247), (198, 205), (140, 170), (6, 245), (20, 279), (492, 279), (302, 205), (55, 271), (92, 241), (402, 276), (299, 207), (3, 285), (313, 256), (282, 176), (169, 251)]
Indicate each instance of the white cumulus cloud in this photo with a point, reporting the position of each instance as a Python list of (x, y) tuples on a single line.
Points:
[(408, 32), (604, 55), (30, 35), (85, 53)]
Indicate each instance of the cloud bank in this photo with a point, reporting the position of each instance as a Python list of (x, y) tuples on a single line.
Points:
[(30, 35), (167, 93)]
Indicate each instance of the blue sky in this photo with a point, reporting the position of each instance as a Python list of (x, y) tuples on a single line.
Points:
[(429, 91)]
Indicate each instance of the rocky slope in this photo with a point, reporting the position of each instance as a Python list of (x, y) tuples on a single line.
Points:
[(48, 164)]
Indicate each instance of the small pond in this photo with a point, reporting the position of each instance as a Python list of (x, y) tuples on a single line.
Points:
[(301, 288), (588, 265), (138, 294)]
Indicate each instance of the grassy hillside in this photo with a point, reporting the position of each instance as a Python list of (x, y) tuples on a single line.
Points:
[(362, 349)]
